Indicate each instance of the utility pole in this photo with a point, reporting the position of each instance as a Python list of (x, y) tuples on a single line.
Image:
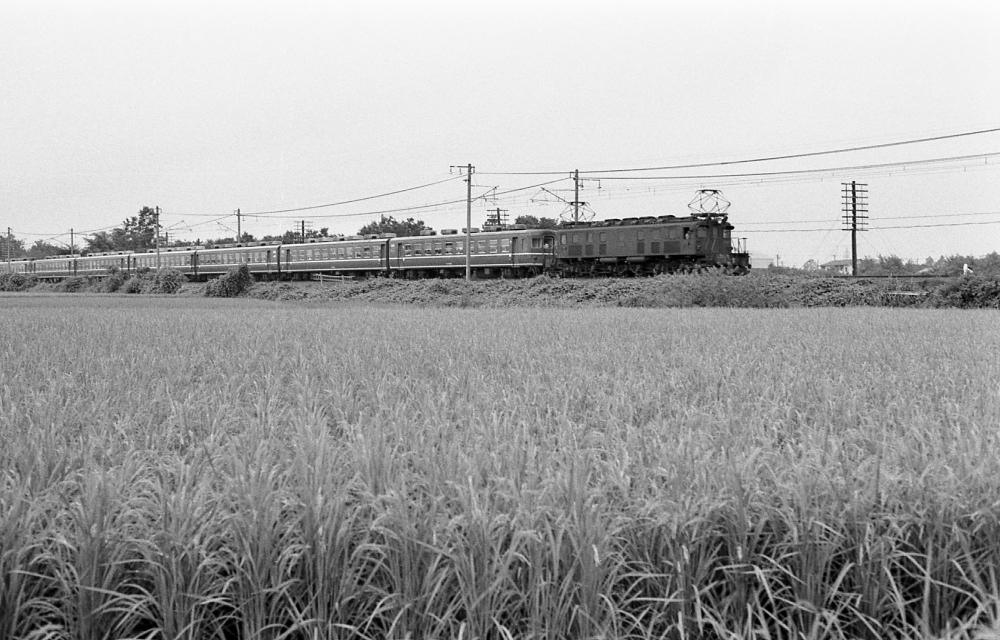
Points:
[(498, 219), (239, 233), (576, 195), (469, 170), (9, 248), (71, 242), (855, 197), (157, 238), (303, 231)]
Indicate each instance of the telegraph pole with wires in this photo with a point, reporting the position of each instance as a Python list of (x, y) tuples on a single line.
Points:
[(576, 195), (239, 234), (855, 198), (469, 170), (498, 217), (157, 219)]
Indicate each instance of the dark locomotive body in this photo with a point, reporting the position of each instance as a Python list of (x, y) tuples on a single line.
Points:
[(633, 246), (649, 246)]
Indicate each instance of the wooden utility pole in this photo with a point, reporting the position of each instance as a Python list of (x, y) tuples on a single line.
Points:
[(157, 218), (576, 195), (469, 170), (239, 234), (855, 197), (498, 219)]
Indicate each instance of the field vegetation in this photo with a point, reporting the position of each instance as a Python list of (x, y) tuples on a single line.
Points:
[(769, 288), (190, 467)]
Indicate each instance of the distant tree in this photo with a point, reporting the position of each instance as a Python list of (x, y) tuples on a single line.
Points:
[(536, 223), (388, 224), (989, 265), (100, 242), (11, 247), (139, 231), (42, 249), (811, 265), (953, 265)]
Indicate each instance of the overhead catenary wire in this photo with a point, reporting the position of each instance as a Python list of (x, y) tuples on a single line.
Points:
[(790, 172), (414, 208), (876, 228), (352, 201), (790, 156)]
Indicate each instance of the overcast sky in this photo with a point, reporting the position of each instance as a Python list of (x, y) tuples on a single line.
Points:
[(203, 108)]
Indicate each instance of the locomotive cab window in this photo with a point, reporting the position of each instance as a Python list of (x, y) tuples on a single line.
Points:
[(702, 232), (562, 239)]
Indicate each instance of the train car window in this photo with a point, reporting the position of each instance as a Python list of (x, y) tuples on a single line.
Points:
[(309, 254), (437, 248), (575, 238), (428, 248), (368, 252), (505, 245), (536, 243), (460, 247), (357, 252), (493, 246), (590, 236), (641, 236), (687, 232), (449, 248), (562, 239), (702, 232), (407, 249), (482, 247), (602, 236)]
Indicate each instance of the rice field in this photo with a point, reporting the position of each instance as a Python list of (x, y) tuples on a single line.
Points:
[(194, 468)]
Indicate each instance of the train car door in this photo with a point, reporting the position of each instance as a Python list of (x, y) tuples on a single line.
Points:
[(268, 266), (548, 251)]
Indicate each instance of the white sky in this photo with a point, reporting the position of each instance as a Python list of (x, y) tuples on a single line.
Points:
[(203, 108)]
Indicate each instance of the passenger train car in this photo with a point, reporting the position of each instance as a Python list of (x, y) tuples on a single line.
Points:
[(633, 246)]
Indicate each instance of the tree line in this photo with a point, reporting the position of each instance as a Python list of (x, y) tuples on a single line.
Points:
[(138, 233)]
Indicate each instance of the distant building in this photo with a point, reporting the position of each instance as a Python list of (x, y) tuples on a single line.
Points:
[(843, 267)]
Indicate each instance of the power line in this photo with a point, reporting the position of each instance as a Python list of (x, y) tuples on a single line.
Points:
[(421, 207), (790, 156), (910, 226), (764, 174), (343, 202), (935, 215)]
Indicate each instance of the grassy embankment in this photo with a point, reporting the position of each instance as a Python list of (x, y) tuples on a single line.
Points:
[(761, 289), (189, 468)]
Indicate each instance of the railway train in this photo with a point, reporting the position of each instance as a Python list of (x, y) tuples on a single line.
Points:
[(619, 247)]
